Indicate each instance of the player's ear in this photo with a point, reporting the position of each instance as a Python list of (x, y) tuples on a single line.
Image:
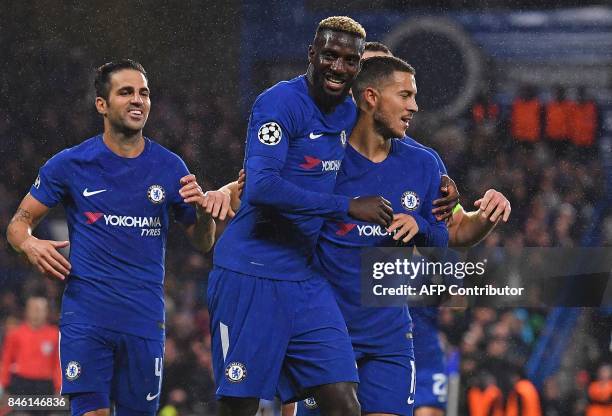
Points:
[(311, 53), (370, 96), (101, 105)]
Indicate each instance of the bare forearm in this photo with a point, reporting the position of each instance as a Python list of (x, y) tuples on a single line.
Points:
[(202, 233), (19, 229), (469, 229)]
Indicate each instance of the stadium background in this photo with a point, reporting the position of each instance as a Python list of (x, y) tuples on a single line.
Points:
[(207, 61)]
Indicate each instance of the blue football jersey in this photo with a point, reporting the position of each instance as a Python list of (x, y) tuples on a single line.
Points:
[(410, 179), (293, 153), (412, 142), (117, 211)]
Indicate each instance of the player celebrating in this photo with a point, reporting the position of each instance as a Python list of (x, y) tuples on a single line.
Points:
[(118, 189), (385, 93), (466, 229), (270, 313)]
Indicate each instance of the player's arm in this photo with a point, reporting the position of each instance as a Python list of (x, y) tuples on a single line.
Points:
[(266, 154), (469, 228), (431, 231), (202, 232), (43, 254), (234, 190), (266, 187), (445, 206)]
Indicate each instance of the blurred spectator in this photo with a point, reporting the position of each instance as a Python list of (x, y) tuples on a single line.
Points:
[(30, 357), (523, 399), (600, 393), (485, 112), (584, 124), (526, 115), (558, 113), (485, 398)]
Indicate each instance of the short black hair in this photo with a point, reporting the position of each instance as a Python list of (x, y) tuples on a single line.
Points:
[(377, 47), (375, 70), (104, 72)]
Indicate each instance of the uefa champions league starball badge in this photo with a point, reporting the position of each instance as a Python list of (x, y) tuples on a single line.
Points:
[(270, 134)]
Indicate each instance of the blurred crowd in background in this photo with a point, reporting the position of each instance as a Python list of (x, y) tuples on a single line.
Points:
[(551, 173)]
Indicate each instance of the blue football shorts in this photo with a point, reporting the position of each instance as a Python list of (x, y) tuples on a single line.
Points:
[(125, 367), (263, 329), (387, 384)]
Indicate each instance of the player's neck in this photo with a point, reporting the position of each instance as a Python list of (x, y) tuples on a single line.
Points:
[(368, 142), (123, 145)]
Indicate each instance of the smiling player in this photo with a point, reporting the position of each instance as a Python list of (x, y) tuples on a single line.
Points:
[(118, 190), (263, 295)]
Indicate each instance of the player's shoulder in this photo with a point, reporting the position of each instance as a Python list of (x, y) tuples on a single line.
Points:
[(162, 154), (412, 142), (415, 155), (407, 148), (291, 93), (84, 150)]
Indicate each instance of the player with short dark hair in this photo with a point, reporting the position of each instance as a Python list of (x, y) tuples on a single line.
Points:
[(102, 81), (118, 190), (466, 229), (376, 47), (385, 92), (271, 314)]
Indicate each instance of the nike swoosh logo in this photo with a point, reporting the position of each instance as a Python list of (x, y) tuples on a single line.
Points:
[(87, 193), (149, 397), (315, 136), (410, 400)]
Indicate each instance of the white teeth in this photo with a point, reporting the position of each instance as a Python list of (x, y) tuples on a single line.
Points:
[(136, 112)]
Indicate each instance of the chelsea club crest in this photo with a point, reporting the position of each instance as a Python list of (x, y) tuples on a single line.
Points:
[(156, 194), (410, 200)]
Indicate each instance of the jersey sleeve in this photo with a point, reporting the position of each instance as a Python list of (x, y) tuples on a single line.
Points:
[(277, 116), (183, 213), (432, 233), (264, 186), (50, 187), (275, 119), (441, 165)]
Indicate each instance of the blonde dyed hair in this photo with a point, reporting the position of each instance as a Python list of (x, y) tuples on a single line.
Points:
[(342, 24)]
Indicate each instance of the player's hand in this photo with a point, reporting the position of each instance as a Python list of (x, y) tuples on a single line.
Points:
[(241, 181), (214, 203), (218, 204), (446, 204), (374, 209), (191, 191), (494, 205), (406, 227), (44, 256)]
